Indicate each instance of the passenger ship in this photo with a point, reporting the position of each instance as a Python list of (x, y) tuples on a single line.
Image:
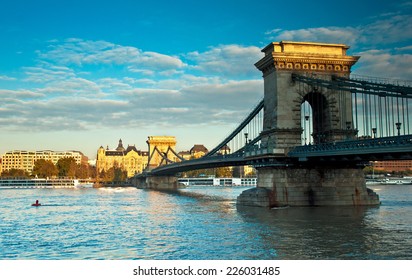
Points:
[(36, 183), (211, 181)]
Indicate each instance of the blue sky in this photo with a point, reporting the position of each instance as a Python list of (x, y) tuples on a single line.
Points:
[(75, 75)]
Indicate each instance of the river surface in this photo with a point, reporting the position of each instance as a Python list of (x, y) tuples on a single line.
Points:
[(197, 223)]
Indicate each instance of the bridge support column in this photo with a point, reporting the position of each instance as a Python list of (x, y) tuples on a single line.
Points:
[(317, 186), (156, 182)]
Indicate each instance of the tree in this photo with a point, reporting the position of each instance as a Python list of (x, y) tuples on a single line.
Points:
[(223, 172), (119, 174), (67, 167), (84, 171), (113, 174), (108, 175), (14, 173), (44, 168), (92, 171), (199, 173)]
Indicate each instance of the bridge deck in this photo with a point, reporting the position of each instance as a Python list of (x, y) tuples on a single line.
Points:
[(386, 148)]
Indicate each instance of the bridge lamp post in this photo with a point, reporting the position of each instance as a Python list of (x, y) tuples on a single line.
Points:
[(246, 134), (348, 127), (398, 127), (374, 132), (306, 120)]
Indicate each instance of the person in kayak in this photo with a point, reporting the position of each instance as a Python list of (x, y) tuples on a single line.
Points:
[(36, 204)]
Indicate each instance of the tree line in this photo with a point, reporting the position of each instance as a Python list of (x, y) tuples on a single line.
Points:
[(65, 167)]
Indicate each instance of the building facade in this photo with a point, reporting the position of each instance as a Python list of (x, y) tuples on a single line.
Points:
[(129, 159), (198, 151), (25, 160), (393, 166)]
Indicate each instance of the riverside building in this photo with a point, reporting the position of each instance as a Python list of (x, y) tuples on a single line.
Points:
[(393, 166), (129, 159), (25, 160), (135, 161)]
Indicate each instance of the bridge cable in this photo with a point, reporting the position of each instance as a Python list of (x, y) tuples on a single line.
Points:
[(245, 122)]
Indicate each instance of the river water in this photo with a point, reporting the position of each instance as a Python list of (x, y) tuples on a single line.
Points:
[(197, 223)]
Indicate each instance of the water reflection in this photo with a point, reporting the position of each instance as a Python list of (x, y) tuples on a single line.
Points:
[(197, 223), (321, 232)]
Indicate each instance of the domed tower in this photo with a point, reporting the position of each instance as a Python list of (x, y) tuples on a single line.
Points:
[(120, 147)]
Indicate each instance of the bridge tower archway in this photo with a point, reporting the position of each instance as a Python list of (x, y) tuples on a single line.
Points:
[(305, 183), (318, 116), (283, 97)]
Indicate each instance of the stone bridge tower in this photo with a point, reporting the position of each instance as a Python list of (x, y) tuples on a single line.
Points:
[(331, 110), (160, 147), (295, 183)]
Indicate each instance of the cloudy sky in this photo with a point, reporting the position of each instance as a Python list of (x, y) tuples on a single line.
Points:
[(75, 75)]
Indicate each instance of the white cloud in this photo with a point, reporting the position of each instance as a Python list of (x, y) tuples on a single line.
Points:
[(159, 61), (148, 91), (402, 49), (381, 63), (74, 87), (240, 95), (114, 84), (374, 42), (394, 29), (342, 35), (144, 72), (80, 85), (17, 94), (138, 108), (62, 113), (174, 110), (227, 60), (81, 52), (382, 30), (46, 72), (6, 78)]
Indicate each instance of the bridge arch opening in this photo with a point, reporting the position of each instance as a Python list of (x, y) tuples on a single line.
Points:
[(314, 118)]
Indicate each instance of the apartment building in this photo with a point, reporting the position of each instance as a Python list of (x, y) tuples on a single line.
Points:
[(25, 160)]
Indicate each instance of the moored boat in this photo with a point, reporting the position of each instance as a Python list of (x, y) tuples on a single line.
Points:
[(40, 183), (212, 181), (396, 181)]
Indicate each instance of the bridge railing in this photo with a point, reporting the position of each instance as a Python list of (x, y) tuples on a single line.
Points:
[(199, 163), (382, 145)]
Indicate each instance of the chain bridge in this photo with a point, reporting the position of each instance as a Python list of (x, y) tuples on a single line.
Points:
[(310, 136)]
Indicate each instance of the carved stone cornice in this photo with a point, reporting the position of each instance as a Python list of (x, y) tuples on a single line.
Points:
[(307, 57)]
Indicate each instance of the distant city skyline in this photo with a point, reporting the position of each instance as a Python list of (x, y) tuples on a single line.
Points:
[(77, 75)]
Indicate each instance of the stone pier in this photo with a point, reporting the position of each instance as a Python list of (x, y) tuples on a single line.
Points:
[(156, 182), (278, 187)]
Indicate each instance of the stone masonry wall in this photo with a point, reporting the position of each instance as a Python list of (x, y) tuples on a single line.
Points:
[(309, 187)]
